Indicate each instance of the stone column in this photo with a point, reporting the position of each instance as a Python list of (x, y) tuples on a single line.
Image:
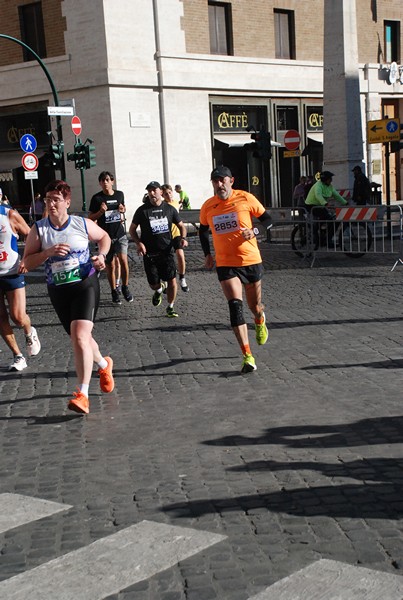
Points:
[(342, 134)]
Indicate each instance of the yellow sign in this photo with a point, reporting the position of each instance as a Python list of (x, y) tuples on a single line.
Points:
[(292, 153), (384, 130)]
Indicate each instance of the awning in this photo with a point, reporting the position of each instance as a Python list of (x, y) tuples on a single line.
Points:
[(236, 140), (315, 136), (10, 160)]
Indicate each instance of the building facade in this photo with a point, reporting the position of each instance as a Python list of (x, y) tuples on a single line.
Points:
[(166, 89)]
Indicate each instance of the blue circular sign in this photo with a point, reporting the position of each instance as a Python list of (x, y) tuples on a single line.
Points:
[(391, 126), (28, 143)]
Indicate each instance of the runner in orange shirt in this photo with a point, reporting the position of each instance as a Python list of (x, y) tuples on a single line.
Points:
[(228, 214)]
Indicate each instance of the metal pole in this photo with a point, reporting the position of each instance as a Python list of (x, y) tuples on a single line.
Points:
[(84, 206), (54, 92), (387, 186), (33, 215)]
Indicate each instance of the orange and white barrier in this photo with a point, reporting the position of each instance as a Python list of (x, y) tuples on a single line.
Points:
[(356, 213)]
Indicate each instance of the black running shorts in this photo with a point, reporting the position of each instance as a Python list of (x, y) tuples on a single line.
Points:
[(159, 267), (76, 301), (250, 274)]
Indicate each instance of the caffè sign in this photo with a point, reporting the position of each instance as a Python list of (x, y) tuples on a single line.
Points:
[(235, 118)]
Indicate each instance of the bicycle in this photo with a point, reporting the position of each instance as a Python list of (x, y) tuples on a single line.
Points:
[(353, 238)]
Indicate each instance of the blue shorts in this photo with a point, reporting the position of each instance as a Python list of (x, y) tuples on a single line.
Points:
[(12, 282)]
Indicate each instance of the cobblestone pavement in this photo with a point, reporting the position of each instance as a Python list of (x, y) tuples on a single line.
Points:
[(299, 461)]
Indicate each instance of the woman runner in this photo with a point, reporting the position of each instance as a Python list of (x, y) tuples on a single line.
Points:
[(61, 242)]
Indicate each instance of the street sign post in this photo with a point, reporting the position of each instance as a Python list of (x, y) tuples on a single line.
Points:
[(28, 143), (383, 130), (76, 125), (291, 153), (30, 161), (292, 139), (31, 174), (60, 111)]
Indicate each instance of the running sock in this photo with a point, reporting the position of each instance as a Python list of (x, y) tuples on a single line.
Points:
[(171, 305), (259, 320), (159, 290), (246, 349), (181, 275), (102, 363), (84, 387)]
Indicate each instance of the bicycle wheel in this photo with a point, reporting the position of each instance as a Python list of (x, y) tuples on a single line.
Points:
[(355, 239), (299, 242)]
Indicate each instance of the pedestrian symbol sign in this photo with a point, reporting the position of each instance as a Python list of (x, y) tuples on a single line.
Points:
[(383, 130), (28, 143)]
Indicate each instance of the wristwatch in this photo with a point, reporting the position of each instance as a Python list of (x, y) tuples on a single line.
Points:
[(256, 231)]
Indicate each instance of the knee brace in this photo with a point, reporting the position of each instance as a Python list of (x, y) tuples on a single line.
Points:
[(236, 312)]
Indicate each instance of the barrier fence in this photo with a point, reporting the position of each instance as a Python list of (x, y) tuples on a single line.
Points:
[(351, 230)]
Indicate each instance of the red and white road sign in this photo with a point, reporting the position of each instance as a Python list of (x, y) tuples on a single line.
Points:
[(292, 139), (30, 161), (76, 125)]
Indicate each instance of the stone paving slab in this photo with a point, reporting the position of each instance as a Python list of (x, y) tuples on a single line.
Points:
[(297, 462), (328, 580)]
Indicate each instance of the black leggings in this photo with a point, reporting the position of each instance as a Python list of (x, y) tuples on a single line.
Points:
[(76, 301)]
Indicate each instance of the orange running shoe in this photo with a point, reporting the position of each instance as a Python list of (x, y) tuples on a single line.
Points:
[(79, 403), (106, 380)]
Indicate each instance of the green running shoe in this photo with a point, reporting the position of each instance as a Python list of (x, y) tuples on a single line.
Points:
[(248, 364), (156, 299), (157, 296), (171, 312), (262, 332)]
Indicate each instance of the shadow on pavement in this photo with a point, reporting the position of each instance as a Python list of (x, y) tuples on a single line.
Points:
[(382, 430), (380, 499)]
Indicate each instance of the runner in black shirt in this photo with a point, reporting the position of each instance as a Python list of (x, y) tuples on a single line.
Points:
[(107, 208), (155, 218)]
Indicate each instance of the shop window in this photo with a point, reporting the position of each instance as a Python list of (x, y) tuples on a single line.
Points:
[(32, 29), (220, 27), (392, 41), (286, 118), (284, 32)]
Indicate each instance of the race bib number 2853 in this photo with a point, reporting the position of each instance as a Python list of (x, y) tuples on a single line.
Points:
[(226, 223)]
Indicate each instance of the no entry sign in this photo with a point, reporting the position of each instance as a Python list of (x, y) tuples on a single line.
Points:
[(292, 139), (76, 125)]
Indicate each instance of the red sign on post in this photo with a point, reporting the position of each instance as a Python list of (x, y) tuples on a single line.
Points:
[(76, 125), (292, 139), (30, 161)]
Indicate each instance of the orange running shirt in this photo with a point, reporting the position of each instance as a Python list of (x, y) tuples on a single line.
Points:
[(225, 219)]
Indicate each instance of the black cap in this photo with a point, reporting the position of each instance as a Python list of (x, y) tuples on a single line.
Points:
[(220, 171), (153, 184), (326, 175), (356, 168)]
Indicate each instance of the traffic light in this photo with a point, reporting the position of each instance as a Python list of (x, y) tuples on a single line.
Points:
[(90, 156), (78, 156), (54, 156), (397, 146), (262, 144)]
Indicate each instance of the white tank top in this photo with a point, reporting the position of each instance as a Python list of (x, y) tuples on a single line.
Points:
[(9, 257), (77, 265)]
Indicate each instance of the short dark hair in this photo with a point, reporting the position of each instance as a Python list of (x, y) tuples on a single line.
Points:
[(102, 176), (58, 185)]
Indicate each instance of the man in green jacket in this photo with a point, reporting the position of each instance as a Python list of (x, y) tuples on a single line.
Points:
[(319, 196)]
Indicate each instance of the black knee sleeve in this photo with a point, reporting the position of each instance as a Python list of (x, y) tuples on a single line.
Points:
[(236, 312)]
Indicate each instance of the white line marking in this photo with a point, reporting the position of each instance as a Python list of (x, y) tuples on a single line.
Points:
[(16, 510), (109, 565), (333, 580)]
